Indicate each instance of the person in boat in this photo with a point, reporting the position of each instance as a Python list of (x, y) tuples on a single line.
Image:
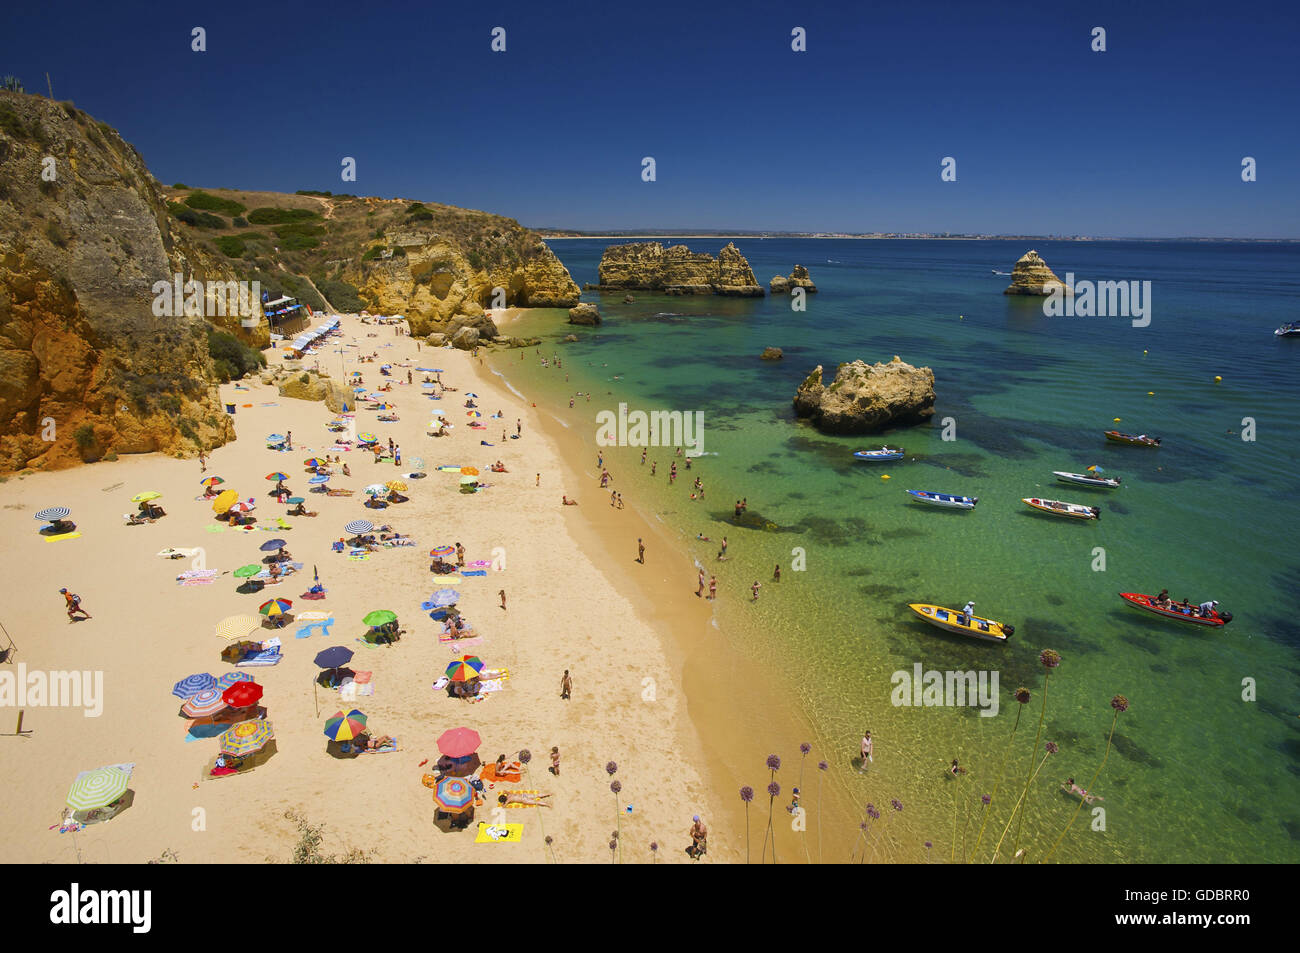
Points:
[(1207, 608), (1162, 601), (1185, 607), (967, 614)]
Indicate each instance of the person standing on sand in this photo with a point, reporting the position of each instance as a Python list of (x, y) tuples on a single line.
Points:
[(776, 573), (754, 589), (653, 465), (519, 426), (643, 456), (566, 685), (288, 440), (699, 839), (713, 587), (722, 553), (460, 555), (866, 750), (620, 501), (203, 462), (397, 455), (699, 591), (73, 605), (640, 551), (555, 761), (502, 594)]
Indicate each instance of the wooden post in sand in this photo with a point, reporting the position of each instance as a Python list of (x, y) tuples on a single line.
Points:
[(19, 731)]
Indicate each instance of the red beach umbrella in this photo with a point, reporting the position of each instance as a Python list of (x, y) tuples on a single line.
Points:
[(459, 742), (242, 694)]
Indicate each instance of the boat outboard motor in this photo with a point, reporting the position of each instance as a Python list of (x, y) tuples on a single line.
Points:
[(1009, 630), (1226, 617), (1096, 511)]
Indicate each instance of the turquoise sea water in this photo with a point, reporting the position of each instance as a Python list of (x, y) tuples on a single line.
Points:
[(1195, 773)]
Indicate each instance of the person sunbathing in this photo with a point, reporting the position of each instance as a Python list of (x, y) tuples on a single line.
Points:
[(524, 798), (346, 471), (568, 502), (301, 510), (383, 741)]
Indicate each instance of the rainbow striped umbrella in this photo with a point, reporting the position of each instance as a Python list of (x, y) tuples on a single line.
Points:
[(237, 627), (464, 668), (314, 462), (53, 514), (473, 413), (273, 607), (277, 475), (231, 678), (191, 685), (247, 737), (366, 438), (206, 702), (98, 788), (454, 795), (211, 481), (341, 727), (442, 550)]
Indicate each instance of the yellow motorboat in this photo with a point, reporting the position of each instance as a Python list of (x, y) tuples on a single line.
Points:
[(953, 620)]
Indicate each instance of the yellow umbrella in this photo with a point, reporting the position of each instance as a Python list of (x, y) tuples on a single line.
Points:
[(225, 500), (146, 496), (238, 626), (469, 471), (396, 485)]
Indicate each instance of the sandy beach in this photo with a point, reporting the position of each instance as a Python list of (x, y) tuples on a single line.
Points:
[(566, 608)]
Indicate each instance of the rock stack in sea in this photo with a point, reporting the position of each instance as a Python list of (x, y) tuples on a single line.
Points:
[(867, 397), (584, 313), (1031, 276), (649, 266), (799, 278)]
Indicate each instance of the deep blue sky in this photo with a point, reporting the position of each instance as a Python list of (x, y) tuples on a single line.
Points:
[(1050, 137)]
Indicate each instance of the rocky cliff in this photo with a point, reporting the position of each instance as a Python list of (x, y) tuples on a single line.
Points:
[(865, 398), (87, 368), (798, 278), (1031, 276), (649, 266)]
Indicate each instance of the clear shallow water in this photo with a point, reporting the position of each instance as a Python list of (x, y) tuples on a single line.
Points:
[(1195, 774)]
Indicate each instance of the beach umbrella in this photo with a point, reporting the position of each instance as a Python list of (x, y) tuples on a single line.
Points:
[(314, 462), (274, 607), (417, 462), (277, 475), (358, 527), (396, 486), (379, 617), (469, 471), (97, 788), (341, 727), (358, 390), (473, 413), (205, 703), (242, 507), (445, 597), (224, 500), (296, 499), (355, 374), (211, 481), (459, 742), (146, 496), (236, 627), (247, 737), (470, 394), (276, 438), (366, 438), (333, 657), (454, 795), (318, 479), (242, 694), (1096, 469), (469, 481), (442, 550), (230, 678), (464, 668), (271, 545), (53, 514), (247, 572), (438, 413), (191, 685), (375, 489)]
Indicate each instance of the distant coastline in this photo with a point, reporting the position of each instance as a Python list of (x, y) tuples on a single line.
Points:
[(550, 235)]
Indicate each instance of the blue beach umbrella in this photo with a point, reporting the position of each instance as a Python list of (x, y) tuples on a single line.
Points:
[(230, 678), (276, 438), (445, 597), (318, 480), (191, 685), (271, 545), (333, 657)]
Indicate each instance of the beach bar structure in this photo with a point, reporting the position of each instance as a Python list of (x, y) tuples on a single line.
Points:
[(306, 339), (285, 316)]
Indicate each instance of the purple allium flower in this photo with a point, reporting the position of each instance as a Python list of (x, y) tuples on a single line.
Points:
[(747, 794), (613, 845), (1119, 703), (611, 767), (928, 845), (1053, 747), (872, 812), (822, 766), (986, 798), (1022, 695), (1049, 658), (613, 835), (525, 756), (774, 789), (805, 748), (616, 786), (862, 826), (654, 845), (549, 840), (773, 762), (896, 804)]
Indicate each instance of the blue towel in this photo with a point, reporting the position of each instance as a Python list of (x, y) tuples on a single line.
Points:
[(473, 572), (484, 443)]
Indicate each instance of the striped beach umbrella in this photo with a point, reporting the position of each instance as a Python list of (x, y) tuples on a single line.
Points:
[(464, 668), (469, 481), (235, 627), (242, 694), (366, 438), (211, 481), (454, 795), (205, 703), (442, 550), (375, 489), (191, 685), (224, 500), (379, 617), (445, 597), (470, 394), (459, 742), (230, 678), (53, 514), (473, 413), (98, 788), (397, 486), (358, 527), (247, 737), (341, 727), (314, 462), (275, 438), (277, 475), (243, 506), (146, 496), (318, 479), (274, 607)]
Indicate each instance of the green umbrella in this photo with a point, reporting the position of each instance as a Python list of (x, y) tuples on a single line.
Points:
[(244, 572), (380, 617), (98, 788)]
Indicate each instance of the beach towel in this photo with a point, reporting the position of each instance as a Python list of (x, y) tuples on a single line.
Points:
[(509, 773), (480, 564), (358, 557), (55, 539), (492, 685), (446, 639), (508, 806), (205, 581), (386, 749), (215, 528), (473, 572), (499, 833)]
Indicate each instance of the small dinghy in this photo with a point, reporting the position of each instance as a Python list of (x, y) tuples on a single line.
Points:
[(944, 499), (1086, 479), (884, 453), (951, 620), (1138, 440), (1075, 511)]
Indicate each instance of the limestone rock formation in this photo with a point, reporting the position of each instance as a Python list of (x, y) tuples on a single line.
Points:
[(1031, 276), (779, 285), (649, 266), (308, 385), (628, 299), (771, 354), (798, 278), (865, 398), (584, 313), (466, 338), (84, 360), (571, 339)]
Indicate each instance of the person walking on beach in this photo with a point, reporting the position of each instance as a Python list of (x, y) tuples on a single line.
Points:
[(73, 605), (519, 426), (776, 573), (460, 555), (566, 685), (654, 465), (866, 751), (700, 589), (754, 589), (555, 761), (203, 462), (600, 459), (288, 440), (397, 455), (672, 474), (722, 553), (613, 498), (502, 594), (713, 587), (643, 456), (620, 500), (640, 551)]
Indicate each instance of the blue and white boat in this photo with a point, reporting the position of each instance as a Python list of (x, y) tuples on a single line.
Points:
[(944, 499), (1289, 330), (884, 453)]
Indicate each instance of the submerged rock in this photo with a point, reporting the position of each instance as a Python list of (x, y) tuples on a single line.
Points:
[(1031, 276), (771, 354), (584, 313), (867, 397)]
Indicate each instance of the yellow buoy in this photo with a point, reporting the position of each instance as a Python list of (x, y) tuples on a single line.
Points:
[(885, 476), (1151, 393), (1116, 420), (1217, 379), (1144, 352)]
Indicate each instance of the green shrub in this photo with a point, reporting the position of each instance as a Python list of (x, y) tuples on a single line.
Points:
[(240, 222), (170, 403), (373, 252), (198, 219), (180, 185), (212, 203), (281, 216), (110, 457), (231, 357), (186, 427), (84, 437), (342, 295), (232, 246)]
